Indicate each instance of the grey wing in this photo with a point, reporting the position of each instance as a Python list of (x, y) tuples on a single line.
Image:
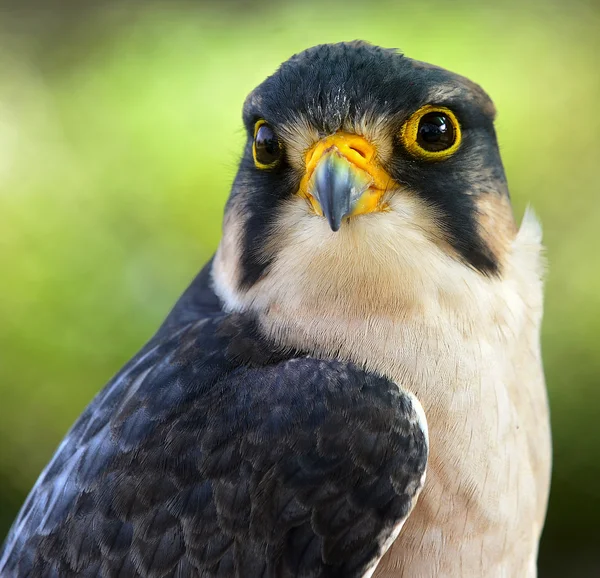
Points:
[(204, 467)]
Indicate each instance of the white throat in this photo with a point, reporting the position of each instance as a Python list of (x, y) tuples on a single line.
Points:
[(358, 293)]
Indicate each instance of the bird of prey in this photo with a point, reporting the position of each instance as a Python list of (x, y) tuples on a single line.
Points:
[(352, 386)]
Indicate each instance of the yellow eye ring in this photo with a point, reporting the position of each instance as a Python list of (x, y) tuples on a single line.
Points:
[(432, 133), (266, 148)]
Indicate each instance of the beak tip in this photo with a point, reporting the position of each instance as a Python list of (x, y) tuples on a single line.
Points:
[(334, 219)]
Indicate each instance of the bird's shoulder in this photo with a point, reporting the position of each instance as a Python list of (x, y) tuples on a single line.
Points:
[(213, 452)]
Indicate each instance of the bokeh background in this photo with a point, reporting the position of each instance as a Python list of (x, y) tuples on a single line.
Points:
[(120, 132)]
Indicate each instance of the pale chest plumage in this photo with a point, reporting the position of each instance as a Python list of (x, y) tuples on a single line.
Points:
[(482, 508)]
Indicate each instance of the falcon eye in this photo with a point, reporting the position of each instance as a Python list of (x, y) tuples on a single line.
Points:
[(431, 133), (266, 148)]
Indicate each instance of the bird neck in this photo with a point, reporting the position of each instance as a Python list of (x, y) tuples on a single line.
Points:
[(380, 313)]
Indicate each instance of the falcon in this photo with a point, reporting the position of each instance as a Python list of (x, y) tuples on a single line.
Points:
[(352, 386)]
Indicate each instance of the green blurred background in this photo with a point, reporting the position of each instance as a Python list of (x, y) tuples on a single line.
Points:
[(120, 133)]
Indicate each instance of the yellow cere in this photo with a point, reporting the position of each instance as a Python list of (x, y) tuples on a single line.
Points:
[(410, 129), (362, 155)]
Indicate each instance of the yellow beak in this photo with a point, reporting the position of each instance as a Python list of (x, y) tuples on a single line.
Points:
[(343, 178)]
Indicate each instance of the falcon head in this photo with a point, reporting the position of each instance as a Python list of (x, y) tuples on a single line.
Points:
[(369, 182)]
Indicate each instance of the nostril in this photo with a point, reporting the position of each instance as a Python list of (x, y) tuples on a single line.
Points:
[(361, 152)]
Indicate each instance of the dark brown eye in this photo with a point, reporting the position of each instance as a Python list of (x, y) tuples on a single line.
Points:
[(432, 133), (266, 147), (436, 132)]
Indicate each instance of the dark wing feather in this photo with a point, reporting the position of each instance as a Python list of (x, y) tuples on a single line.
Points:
[(210, 456)]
